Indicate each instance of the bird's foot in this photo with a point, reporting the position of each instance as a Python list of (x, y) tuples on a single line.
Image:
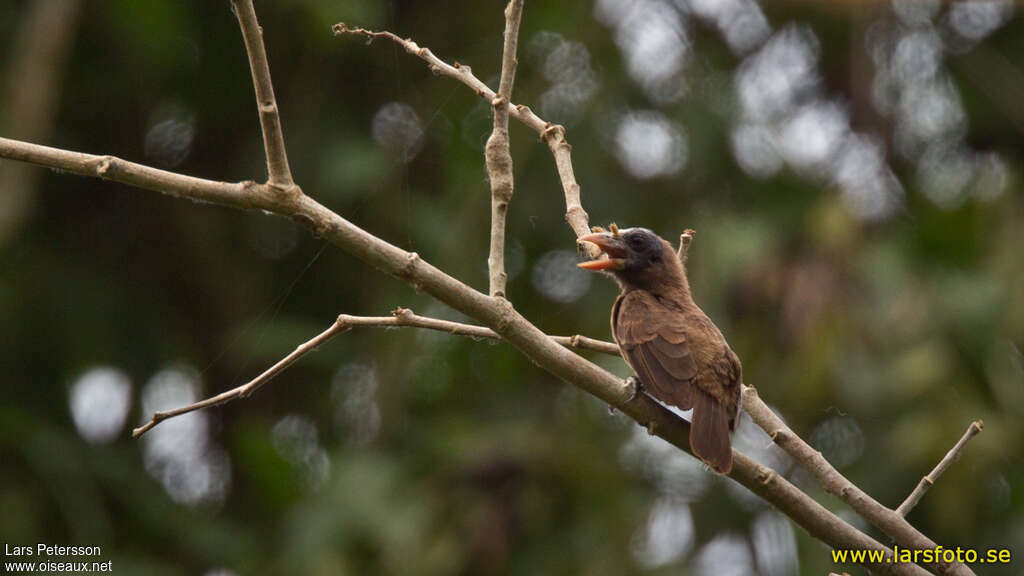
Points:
[(633, 386)]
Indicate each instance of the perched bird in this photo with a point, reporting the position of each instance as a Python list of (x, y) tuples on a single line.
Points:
[(678, 354)]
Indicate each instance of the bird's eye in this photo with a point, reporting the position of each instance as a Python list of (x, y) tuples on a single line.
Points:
[(635, 242), (656, 258)]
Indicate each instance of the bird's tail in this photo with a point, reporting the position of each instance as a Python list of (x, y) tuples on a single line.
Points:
[(709, 433)]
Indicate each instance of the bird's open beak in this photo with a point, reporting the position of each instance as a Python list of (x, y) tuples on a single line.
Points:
[(612, 246)]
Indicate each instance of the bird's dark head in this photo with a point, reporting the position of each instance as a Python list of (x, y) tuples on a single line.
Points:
[(638, 258)]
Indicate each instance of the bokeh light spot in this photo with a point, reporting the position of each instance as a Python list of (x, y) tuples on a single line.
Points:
[(556, 276), (99, 400)]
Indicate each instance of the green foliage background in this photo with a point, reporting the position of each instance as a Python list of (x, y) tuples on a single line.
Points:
[(903, 329)]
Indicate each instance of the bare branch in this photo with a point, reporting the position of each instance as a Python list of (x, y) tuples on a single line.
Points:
[(400, 317), (495, 313), (888, 521), (820, 522), (278, 172), (247, 195), (552, 134), (251, 386), (952, 456), (497, 156)]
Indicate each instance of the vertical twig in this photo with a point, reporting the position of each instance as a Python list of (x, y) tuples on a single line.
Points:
[(684, 245), (497, 155), (278, 173), (552, 134), (952, 456)]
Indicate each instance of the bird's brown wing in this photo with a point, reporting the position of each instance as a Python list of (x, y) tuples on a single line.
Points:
[(653, 341)]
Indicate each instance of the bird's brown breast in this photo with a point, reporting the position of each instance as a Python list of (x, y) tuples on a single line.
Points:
[(672, 345)]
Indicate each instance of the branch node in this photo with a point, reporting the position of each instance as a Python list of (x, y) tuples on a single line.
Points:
[(104, 166), (308, 223), (552, 131), (411, 259), (402, 314)]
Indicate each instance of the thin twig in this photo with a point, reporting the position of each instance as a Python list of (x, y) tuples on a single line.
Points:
[(400, 317), (497, 156), (885, 519), (952, 456), (251, 386), (403, 317), (552, 134), (278, 172), (684, 245)]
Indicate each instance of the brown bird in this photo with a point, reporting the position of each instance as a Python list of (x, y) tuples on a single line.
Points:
[(679, 355)]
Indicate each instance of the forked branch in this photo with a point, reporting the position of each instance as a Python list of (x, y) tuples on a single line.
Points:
[(821, 523), (552, 134), (400, 317), (495, 313)]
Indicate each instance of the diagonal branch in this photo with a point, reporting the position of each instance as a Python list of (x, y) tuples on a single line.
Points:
[(552, 134), (497, 156), (278, 172), (497, 314), (766, 483), (952, 456), (887, 520)]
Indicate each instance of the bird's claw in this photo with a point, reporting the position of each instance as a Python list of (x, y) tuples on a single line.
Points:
[(633, 386)]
